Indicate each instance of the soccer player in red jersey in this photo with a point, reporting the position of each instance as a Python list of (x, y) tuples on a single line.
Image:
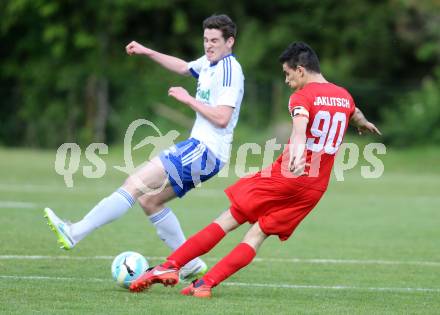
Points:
[(276, 199)]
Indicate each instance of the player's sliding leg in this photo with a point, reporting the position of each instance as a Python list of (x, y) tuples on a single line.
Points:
[(169, 230), (241, 256), (150, 176), (197, 245)]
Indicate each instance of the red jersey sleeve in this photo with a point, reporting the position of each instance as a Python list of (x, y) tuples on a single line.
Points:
[(352, 109), (299, 105), (353, 105)]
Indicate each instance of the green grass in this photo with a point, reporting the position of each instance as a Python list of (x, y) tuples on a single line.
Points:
[(391, 219)]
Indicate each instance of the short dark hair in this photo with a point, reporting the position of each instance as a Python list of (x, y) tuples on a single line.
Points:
[(300, 54), (223, 23)]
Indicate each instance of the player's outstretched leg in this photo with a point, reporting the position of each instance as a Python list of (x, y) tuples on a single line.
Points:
[(112, 207), (107, 210)]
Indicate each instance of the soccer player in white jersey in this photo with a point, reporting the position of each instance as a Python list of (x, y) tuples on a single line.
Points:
[(177, 170)]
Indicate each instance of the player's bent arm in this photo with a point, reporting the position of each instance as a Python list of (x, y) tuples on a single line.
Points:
[(219, 115), (362, 124), (297, 145), (171, 63)]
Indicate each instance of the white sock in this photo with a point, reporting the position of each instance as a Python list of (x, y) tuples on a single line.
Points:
[(169, 230), (107, 210)]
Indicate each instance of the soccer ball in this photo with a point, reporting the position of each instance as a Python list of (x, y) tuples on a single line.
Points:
[(127, 267)]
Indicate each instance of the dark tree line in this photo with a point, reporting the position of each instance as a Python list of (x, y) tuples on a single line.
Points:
[(64, 75)]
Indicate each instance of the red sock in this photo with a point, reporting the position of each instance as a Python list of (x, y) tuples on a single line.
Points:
[(239, 257), (197, 245)]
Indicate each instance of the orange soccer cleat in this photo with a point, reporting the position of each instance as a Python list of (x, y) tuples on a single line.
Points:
[(158, 274), (198, 288)]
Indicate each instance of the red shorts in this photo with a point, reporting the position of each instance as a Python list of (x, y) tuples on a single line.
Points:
[(277, 204)]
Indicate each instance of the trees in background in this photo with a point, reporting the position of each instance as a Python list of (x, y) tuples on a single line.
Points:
[(64, 74)]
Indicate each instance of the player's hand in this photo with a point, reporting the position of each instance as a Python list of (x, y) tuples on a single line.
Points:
[(368, 127), (180, 94), (134, 48), (297, 166)]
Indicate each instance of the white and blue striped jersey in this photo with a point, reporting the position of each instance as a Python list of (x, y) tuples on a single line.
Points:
[(221, 83)]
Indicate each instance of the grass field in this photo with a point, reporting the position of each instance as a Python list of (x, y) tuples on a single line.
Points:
[(370, 247)]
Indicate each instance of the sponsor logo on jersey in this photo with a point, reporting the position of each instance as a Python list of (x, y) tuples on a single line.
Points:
[(203, 94)]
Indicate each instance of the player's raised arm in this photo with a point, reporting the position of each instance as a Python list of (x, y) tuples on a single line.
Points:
[(171, 63), (362, 124)]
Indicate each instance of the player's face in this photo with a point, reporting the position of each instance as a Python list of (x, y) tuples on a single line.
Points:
[(215, 45), (295, 78)]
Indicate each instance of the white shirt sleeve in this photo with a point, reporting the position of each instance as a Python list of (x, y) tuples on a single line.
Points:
[(195, 66), (230, 83)]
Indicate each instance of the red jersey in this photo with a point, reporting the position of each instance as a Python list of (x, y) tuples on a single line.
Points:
[(329, 108), (273, 197)]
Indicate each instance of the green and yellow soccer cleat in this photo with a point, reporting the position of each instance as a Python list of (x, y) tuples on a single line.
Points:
[(197, 272), (60, 228)]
